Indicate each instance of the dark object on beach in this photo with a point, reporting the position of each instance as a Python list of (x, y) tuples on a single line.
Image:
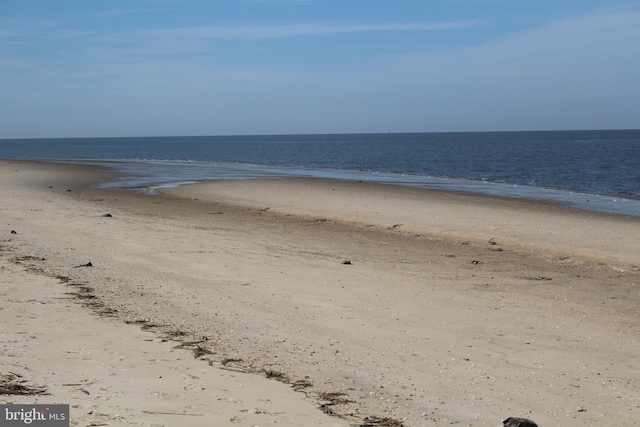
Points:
[(345, 262), (374, 421), (84, 265), (518, 422), (107, 215), (14, 232), (14, 384)]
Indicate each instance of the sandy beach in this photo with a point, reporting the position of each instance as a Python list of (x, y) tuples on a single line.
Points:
[(310, 302)]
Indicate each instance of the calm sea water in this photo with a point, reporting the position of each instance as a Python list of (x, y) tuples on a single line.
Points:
[(594, 170)]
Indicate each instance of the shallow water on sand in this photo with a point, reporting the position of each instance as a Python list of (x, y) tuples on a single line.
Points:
[(593, 170)]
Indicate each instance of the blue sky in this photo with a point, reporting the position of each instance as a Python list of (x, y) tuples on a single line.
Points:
[(221, 67)]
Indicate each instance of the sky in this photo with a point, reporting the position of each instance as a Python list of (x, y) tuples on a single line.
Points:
[(72, 68)]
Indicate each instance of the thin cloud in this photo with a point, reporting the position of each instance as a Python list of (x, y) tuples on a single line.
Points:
[(301, 30), (133, 11)]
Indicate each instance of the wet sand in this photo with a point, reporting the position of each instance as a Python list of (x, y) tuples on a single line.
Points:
[(368, 303)]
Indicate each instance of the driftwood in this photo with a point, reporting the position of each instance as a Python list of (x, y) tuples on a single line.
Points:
[(171, 413)]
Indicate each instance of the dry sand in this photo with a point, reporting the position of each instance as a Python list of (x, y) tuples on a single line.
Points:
[(454, 309)]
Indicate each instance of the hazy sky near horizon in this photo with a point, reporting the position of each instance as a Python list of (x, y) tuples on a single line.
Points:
[(221, 67)]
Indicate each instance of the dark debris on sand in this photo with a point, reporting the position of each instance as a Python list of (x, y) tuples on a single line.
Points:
[(14, 384), (518, 422)]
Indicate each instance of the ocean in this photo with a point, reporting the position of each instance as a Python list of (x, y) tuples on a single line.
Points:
[(590, 170)]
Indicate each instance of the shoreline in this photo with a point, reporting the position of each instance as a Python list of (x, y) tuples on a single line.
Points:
[(159, 174), (457, 315)]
